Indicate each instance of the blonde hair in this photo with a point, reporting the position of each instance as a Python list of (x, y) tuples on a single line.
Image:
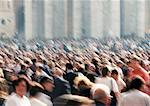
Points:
[(79, 79)]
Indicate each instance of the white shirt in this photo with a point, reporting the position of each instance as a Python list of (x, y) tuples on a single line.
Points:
[(16, 100), (36, 102), (121, 84), (135, 98), (108, 81), (45, 98)]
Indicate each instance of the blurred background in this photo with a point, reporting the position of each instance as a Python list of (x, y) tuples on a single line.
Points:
[(48, 19)]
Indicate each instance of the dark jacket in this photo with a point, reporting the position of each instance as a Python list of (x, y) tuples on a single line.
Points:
[(61, 87)]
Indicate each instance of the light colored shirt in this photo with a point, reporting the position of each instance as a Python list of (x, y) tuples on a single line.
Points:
[(121, 84), (135, 98), (36, 102), (108, 81), (16, 100), (45, 98)]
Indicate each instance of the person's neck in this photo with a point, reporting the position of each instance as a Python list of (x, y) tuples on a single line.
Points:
[(21, 96)]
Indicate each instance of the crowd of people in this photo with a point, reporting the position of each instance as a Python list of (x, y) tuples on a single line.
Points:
[(69, 72)]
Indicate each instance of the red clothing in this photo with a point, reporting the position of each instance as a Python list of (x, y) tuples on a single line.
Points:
[(138, 70)]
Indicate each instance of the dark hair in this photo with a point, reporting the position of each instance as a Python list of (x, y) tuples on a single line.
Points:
[(33, 60), (16, 83), (105, 71), (34, 90), (136, 83), (125, 71), (27, 62), (69, 66), (44, 62), (114, 72), (46, 79), (86, 66), (95, 62)]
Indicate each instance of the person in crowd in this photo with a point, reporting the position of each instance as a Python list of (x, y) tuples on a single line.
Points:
[(46, 67), (135, 97), (70, 76), (48, 85), (111, 83), (73, 100), (121, 84), (137, 69), (18, 98), (90, 72), (101, 94), (62, 86), (33, 96), (39, 71), (1, 69), (3, 91), (17, 66), (33, 66), (23, 70), (83, 85)]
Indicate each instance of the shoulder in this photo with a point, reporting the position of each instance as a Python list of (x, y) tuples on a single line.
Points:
[(35, 102), (144, 95), (11, 100), (12, 97)]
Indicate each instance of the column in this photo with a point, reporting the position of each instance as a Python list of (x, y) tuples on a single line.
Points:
[(58, 19), (115, 18), (107, 31), (86, 18), (28, 20), (48, 17), (77, 17), (97, 18), (147, 16), (130, 25), (38, 19), (141, 18)]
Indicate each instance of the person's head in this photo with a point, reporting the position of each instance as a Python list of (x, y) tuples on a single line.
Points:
[(128, 72), (1, 63), (47, 83), (82, 82), (135, 59), (33, 61), (120, 64), (69, 66), (101, 93), (44, 62), (105, 72), (23, 67), (57, 72), (20, 86), (17, 60), (114, 74), (34, 91), (91, 67), (137, 83)]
